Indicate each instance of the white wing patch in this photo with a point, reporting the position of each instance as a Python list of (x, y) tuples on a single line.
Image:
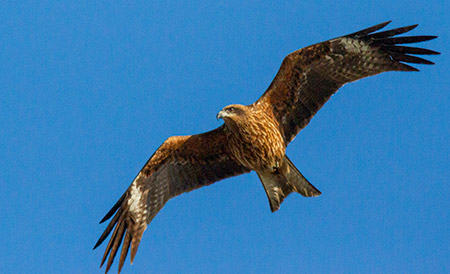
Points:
[(354, 45), (136, 195)]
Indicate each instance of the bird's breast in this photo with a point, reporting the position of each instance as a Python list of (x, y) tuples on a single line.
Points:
[(258, 146)]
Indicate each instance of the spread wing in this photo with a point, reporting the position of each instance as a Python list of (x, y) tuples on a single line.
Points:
[(181, 164), (309, 76)]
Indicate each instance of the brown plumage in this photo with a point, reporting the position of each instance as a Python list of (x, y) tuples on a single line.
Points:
[(255, 137)]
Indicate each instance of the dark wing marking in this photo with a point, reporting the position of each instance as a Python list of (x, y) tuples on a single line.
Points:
[(181, 164), (309, 76)]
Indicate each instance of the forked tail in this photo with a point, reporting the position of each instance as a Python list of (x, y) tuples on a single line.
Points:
[(282, 183)]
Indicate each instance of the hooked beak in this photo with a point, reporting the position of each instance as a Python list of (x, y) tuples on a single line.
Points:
[(221, 115)]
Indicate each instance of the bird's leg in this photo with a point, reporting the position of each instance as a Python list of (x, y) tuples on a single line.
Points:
[(276, 167)]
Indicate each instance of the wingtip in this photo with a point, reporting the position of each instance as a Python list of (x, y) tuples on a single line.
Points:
[(96, 245), (107, 269), (120, 269), (433, 37), (132, 255), (409, 28), (380, 25), (384, 24), (368, 30), (424, 38), (125, 248), (114, 208), (135, 241), (413, 26), (405, 67)]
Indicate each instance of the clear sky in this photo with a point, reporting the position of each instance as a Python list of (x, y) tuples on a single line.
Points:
[(90, 90)]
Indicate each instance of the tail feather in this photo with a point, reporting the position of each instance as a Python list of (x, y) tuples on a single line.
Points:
[(299, 182), (276, 188), (279, 185)]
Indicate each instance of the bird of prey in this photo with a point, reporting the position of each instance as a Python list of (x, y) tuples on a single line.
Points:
[(254, 137)]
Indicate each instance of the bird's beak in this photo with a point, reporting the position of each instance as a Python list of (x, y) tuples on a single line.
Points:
[(220, 115)]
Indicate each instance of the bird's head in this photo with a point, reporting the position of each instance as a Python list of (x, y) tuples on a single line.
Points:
[(231, 113)]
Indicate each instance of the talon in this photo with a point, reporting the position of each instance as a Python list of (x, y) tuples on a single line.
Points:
[(276, 168)]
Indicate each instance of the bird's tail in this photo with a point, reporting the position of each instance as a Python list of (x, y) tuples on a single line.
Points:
[(288, 179)]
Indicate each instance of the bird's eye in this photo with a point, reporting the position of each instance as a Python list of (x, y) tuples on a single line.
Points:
[(231, 109)]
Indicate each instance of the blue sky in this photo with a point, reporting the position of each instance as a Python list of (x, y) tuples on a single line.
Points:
[(90, 90)]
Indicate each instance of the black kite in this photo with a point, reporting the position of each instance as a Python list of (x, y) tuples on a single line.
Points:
[(255, 137)]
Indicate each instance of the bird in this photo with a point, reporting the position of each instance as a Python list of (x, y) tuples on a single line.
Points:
[(254, 137)]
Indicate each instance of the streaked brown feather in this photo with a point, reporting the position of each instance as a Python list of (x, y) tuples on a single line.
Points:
[(254, 139), (125, 248), (110, 243), (108, 229), (181, 164), (308, 77), (135, 241), (121, 226)]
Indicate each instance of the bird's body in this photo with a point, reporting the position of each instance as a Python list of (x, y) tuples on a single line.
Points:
[(255, 137)]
